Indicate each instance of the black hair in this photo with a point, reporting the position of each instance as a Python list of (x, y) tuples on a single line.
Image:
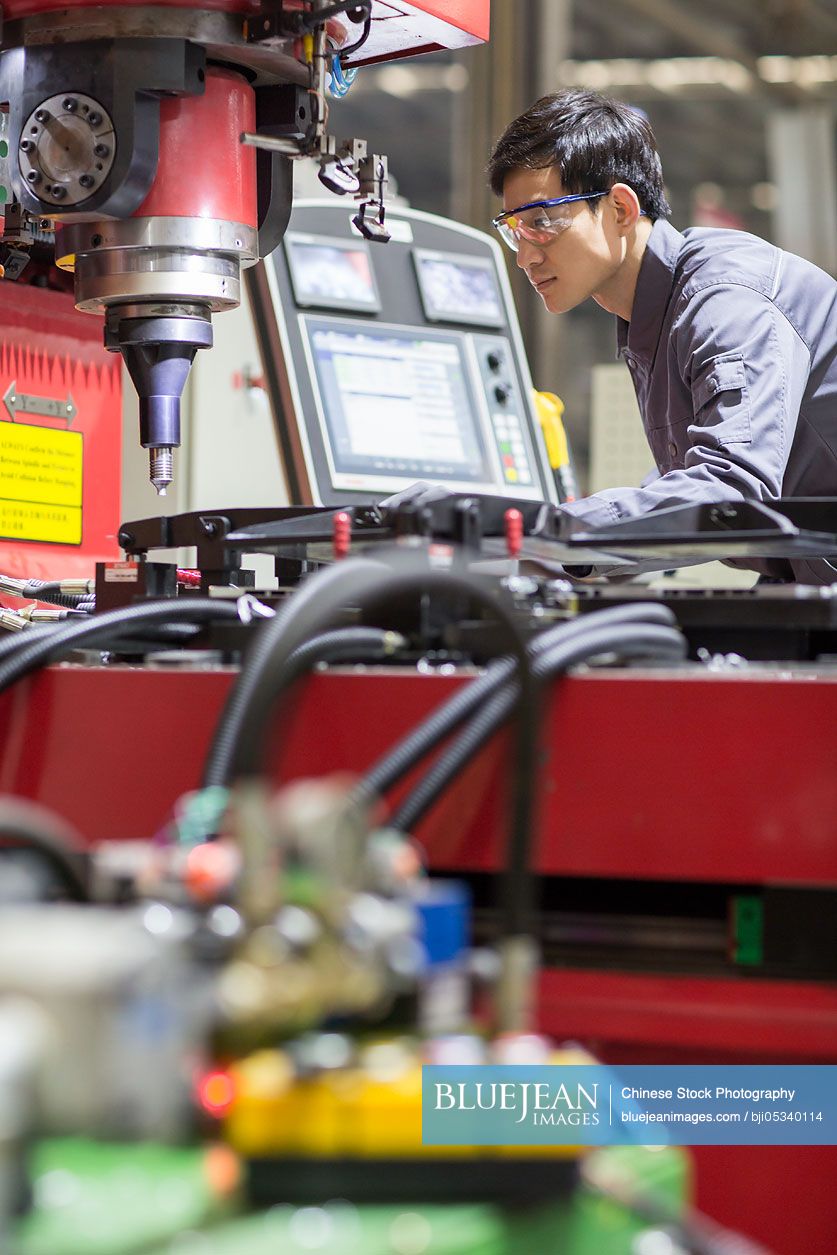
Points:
[(593, 141)]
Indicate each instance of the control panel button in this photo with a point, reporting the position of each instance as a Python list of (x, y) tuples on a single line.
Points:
[(502, 392), (495, 361)]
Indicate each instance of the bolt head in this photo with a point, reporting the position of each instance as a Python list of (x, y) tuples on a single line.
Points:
[(86, 180), (70, 104), (101, 150), (58, 191), (33, 177), (94, 118), (41, 116), (26, 145)]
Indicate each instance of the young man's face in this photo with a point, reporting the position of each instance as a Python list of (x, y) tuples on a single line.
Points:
[(581, 258)]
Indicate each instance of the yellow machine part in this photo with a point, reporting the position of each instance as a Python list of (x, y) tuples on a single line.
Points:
[(550, 411), (347, 1113)]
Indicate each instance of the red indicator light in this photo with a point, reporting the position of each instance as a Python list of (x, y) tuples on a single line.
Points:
[(215, 1092)]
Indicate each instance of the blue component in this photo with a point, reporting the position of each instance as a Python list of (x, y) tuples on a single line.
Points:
[(444, 911), (341, 80)]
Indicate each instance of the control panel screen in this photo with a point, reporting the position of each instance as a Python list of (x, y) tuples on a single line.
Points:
[(456, 288), (331, 273), (398, 404)]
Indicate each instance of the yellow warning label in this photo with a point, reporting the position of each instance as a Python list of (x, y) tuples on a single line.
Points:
[(40, 483)]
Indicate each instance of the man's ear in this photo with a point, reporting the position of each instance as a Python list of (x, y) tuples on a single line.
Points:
[(626, 205)]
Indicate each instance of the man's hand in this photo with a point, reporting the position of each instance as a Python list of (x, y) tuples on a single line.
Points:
[(420, 493)]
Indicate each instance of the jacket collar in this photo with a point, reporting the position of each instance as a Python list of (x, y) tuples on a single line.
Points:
[(639, 338)]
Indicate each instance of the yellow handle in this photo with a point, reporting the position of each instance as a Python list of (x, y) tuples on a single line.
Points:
[(550, 411)]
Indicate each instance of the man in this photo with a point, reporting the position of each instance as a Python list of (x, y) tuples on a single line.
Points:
[(731, 343)]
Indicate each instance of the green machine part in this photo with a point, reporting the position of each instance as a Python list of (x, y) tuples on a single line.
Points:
[(99, 1199)]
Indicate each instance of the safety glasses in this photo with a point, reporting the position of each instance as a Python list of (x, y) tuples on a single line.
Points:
[(538, 226)]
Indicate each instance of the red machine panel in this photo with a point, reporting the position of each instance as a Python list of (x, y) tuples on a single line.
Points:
[(201, 134), (713, 777), (703, 776), (60, 437)]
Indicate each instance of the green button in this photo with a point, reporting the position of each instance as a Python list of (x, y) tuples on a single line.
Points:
[(748, 931), (4, 148)]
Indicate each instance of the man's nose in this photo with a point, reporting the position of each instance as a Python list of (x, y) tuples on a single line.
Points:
[(528, 254)]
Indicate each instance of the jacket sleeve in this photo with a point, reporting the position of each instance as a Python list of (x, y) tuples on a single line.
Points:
[(746, 369)]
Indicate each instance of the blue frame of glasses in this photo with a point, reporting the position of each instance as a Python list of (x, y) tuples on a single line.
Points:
[(502, 218)]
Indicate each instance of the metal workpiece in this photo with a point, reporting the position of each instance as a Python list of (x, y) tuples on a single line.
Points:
[(158, 351)]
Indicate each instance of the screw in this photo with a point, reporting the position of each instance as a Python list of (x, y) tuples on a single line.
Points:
[(58, 191), (101, 150), (26, 145), (70, 105), (86, 180), (95, 241), (126, 539), (94, 118), (208, 527), (33, 177), (41, 116)]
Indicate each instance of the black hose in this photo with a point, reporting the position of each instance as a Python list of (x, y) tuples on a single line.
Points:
[(423, 739), (52, 644), (14, 641), (627, 641), (218, 769), (342, 643), (312, 20), (358, 44), (50, 591), (364, 583), (319, 16), (26, 824)]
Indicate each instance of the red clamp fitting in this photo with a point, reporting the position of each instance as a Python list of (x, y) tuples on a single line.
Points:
[(341, 534), (513, 526)]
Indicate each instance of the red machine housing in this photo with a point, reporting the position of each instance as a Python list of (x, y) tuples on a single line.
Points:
[(60, 437), (644, 776), (203, 170)]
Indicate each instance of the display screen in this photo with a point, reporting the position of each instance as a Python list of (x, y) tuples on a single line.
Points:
[(397, 404), (331, 273), (455, 288)]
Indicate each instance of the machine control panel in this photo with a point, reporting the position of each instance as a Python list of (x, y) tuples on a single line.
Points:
[(509, 422), (394, 363)]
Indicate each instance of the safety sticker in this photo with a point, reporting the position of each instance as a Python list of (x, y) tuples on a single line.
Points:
[(40, 483), (121, 572)]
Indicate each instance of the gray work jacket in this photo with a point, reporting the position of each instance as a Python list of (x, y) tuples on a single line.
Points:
[(732, 346)]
